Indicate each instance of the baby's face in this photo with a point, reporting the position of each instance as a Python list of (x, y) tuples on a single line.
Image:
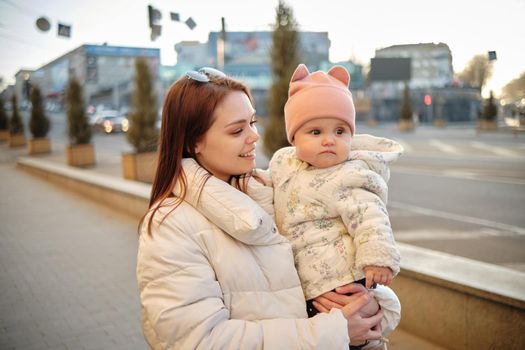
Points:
[(323, 142)]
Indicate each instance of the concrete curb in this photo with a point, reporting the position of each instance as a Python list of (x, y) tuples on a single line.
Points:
[(125, 195), (493, 282)]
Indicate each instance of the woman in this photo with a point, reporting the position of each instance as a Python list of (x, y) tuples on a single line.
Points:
[(213, 271)]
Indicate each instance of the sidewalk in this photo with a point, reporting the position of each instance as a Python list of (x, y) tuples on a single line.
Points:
[(67, 267), (67, 270)]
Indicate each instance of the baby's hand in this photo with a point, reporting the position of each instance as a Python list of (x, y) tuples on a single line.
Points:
[(378, 274)]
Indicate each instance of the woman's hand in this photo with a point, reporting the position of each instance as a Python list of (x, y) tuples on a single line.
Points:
[(360, 328), (337, 299)]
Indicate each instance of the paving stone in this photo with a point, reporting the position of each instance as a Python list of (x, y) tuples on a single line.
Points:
[(68, 268)]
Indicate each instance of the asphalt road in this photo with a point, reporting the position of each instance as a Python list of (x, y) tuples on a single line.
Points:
[(453, 190)]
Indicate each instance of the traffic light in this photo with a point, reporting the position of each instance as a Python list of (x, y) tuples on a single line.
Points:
[(154, 16), (427, 100), (26, 88)]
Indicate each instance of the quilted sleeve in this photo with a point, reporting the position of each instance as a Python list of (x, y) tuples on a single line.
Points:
[(365, 216)]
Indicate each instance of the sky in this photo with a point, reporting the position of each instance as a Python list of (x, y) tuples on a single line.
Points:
[(355, 28)]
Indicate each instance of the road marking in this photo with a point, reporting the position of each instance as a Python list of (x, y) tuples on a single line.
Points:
[(461, 218), (430, 235), (494, 149), (405, 145), (455, 174), (461, 174), (443, 147)]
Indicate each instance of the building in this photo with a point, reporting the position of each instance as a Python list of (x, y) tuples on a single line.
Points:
[(427, 70), (431, 64), (193, 53), (246, 56), (105, 72)]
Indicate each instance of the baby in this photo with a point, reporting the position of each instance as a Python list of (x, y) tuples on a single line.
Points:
[(330, 193)]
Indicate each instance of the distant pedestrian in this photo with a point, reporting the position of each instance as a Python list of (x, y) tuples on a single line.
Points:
[(330, 193), (213, 271)]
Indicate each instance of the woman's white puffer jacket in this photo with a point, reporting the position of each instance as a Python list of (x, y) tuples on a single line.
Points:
[(216, 274)]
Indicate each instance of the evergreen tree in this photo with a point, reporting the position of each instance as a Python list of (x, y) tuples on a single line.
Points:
[(4, 121), (142, 133), (16, 126), (490, 111), (79, 129), (39, 123), (406, 105), (284, 60)]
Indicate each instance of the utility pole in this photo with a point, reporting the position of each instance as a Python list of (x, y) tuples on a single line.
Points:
[(220, 46)]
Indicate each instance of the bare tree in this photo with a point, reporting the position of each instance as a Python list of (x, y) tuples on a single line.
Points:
[(477, 71), (515, 89)]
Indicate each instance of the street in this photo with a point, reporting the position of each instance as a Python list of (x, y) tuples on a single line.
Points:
[(453, 190)]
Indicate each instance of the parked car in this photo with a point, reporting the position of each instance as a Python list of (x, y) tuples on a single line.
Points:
[(110, 121)]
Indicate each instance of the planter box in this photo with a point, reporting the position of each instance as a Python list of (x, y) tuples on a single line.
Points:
[(406, 125), (80, 155), (4, 135), (487, 124), (139, 166), (371, 122), (17, 140), (39, 145), (440, 123)]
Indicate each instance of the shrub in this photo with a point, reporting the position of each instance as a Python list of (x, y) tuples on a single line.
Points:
[(406, 105), (79, 130), (490, 111), (38, 123), (4, 120), (143, 134), (16, 126)]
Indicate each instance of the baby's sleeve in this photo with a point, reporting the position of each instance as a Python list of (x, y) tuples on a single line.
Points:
[(260, 189), (363, 211), (391, 306)]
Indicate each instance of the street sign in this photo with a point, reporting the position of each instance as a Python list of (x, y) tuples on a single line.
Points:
[(64, 30)]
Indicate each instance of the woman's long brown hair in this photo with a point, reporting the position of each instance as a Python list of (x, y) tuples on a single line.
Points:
[(186, 116)]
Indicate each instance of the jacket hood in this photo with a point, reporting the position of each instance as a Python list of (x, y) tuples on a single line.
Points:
[(228, 208), (377, 152)]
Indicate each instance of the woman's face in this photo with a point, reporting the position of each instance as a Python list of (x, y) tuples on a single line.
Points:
[(228, 147)]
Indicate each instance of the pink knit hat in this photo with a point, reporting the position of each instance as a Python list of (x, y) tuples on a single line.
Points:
[(318, 95)]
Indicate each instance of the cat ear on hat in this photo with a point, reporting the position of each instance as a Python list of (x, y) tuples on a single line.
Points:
[(300, 72), (341, 74)]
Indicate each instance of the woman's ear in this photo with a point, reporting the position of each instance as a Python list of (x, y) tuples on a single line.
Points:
[(199, 146)]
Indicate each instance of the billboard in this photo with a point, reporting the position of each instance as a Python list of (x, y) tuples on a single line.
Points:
[(390, 69)]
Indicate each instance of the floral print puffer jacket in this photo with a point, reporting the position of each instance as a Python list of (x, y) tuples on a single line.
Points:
[(336, 218)]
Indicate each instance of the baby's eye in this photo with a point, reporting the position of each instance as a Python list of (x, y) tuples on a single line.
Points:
[(340, 131), (237, 131), (315, 132), (254, 121)]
